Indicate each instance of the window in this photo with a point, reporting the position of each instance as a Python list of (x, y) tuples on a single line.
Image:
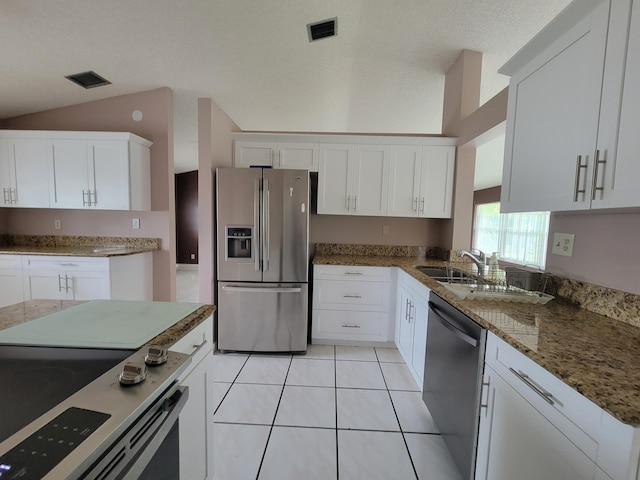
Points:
[(518, 237)]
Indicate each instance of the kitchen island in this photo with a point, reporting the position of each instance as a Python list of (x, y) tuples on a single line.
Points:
[(185, 329)]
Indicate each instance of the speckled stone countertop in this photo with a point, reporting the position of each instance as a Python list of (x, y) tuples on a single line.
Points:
[(595, 355), (32, 309), (75, 246)]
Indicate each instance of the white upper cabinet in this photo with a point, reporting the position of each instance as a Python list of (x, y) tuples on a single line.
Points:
[(300, 156), (61, 169), (573, 114), (421, 181), (552, 120), (352, 179), (22, 163)]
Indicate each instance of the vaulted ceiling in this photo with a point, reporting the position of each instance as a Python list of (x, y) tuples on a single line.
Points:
[(382, 73)]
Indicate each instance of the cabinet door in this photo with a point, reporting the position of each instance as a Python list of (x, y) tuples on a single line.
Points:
[(404, 181), (370, 180), (517, 441), (436, 181), (29, 164), (301, 156), (404, 342), (6, 184), (335, 173), (109, 174), (419, 343), (618, 177), (10, 286), (88, 285), (248, 154), (44, 284), (193, 425), (552, 121), (69, 173)]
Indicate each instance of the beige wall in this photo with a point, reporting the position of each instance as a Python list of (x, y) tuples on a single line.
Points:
[(368, 230), (605, 250), (114, 114), (488, 195), (215, 149)]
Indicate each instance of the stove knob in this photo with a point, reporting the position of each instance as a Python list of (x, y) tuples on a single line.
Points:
[(155, 355), (133, 373)]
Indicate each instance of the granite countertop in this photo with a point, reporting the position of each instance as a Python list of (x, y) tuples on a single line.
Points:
[(593, 354), (75, 246), (33, 309)]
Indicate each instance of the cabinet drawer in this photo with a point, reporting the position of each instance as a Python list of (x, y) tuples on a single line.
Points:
[(10, 261), (67, 264), (570, 411), (198, 342), (345, 272), (344, 325), (349, 295)]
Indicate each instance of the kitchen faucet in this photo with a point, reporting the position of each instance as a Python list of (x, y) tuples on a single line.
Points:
[(479, 258)]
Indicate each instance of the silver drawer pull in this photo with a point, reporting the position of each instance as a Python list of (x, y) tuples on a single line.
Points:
[(198, 347), (353, 273), (350, 326), (352, 296), (548, 397)]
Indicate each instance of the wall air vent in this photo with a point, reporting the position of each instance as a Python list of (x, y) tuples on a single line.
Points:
[(323, 29), (88, 79)]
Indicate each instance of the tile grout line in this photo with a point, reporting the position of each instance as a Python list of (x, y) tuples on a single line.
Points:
[(232, 383), (264, 453), (335, 396), (406, 445)]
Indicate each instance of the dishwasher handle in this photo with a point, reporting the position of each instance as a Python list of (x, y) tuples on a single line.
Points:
[(446, 323)]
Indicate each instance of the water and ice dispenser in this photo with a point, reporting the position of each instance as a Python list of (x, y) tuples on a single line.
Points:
[(239, 242)]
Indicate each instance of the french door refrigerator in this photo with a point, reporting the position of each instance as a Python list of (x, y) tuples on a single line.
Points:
[(262, 257)]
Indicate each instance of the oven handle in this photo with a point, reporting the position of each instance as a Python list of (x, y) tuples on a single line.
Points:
[(442, 318), (173, 407)]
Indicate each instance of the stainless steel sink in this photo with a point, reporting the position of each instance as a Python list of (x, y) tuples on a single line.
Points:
[(441, 274)]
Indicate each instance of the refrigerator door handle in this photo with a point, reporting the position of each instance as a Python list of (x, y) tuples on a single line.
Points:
[(256, 220), (266, 206), (229, 288)]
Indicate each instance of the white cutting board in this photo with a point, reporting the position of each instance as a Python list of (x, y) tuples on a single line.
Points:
[(100, 324)]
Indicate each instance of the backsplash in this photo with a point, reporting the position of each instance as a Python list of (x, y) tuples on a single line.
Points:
[(381, 250), (77, 241)]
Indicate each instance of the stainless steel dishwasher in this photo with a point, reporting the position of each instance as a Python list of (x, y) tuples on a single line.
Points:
[(454, 366)]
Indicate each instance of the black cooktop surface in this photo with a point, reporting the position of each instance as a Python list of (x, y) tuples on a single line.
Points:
[(36, 379)]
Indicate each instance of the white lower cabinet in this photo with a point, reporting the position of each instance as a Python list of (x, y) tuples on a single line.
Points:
[(196, 422), (351, 305), (10, 280), (85, 278), (412, 311), (532, 426)]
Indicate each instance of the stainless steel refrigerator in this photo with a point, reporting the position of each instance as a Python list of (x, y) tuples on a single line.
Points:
[(262, 242)]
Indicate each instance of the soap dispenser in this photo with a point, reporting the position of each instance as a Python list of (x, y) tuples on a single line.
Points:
[(493, 266)]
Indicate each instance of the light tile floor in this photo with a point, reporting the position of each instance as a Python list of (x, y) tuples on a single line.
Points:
[(186, 283), (335, 413)]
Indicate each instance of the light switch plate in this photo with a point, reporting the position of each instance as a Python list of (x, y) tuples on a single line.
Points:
[(136, 223), (563, 244)]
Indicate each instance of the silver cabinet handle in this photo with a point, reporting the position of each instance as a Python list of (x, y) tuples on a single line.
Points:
[(6, 193), (422, 205), (486, 382), (60, 283), (415, 204), (579, 167), (352, 296), (596, 167), (95, 197), (407, 308), (66, 283), (548, 397), (350, 326), (348, 204), (85, 202), (355, 203), (13, 195)]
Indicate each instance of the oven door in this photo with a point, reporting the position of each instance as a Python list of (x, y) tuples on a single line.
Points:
[(149, 449)]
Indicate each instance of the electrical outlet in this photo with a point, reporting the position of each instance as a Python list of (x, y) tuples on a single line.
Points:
[(563, 244), (385, 230), (56, 224), (193, 256), (136, 223)]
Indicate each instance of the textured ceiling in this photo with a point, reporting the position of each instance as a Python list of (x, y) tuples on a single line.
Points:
[(383, 73)]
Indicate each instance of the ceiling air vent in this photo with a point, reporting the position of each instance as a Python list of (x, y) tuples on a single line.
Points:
[(88, 79), (323, 29)]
